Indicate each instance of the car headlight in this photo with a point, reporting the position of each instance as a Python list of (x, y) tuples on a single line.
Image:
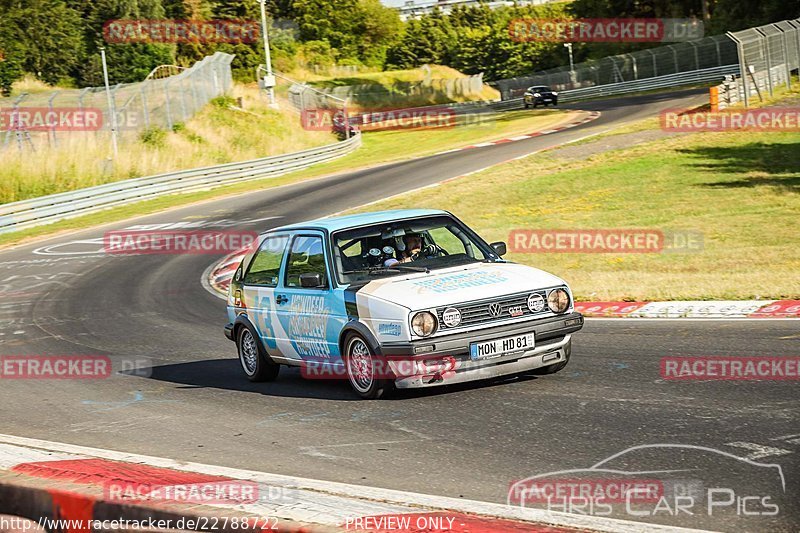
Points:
[(423, 324), (558, 300), (537, 95), (555, 93)]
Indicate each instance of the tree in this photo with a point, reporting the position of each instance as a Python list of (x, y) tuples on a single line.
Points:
[(48, 35)]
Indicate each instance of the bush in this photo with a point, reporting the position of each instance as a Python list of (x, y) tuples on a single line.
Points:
[(224, 101), (155, 137)]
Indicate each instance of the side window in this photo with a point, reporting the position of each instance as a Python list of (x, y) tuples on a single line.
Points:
[(307, 256), (266, 265)]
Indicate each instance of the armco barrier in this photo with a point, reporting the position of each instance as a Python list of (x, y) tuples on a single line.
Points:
[(47, 209), (682, 79)]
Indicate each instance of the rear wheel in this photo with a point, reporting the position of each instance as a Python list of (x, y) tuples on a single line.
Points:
[(255, 363), (361, 371)]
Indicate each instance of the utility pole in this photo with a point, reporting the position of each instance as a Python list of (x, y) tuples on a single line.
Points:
[(571, 65), (111, 110), (269, 78)]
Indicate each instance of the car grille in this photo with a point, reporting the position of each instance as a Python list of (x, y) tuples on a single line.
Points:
[(478, 312)]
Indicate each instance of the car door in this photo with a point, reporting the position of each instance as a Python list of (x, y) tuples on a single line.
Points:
[(310, 317), (259, 284)]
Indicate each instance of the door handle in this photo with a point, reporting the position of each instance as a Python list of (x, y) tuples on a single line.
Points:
[(281, 299)]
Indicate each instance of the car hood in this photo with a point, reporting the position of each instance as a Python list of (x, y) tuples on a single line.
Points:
[(459, 284)]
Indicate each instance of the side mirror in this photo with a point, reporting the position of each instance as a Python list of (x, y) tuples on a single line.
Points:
[(499, 248), (312, 281)]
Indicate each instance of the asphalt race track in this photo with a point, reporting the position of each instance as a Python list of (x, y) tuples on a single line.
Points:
[(190, 400)]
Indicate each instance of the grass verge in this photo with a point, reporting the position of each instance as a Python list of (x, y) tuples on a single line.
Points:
[(379, 148), (218, 134), (741, 190)]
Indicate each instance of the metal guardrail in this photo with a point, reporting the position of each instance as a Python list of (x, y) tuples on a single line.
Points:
[(681, 79), (47, 209)]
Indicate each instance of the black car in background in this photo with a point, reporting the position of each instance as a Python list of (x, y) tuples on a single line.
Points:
[(540, 95)]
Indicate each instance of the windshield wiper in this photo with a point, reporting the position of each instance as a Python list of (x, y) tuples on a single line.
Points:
[(374, 271)]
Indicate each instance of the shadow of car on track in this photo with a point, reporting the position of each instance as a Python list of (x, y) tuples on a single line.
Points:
[(227, 374)]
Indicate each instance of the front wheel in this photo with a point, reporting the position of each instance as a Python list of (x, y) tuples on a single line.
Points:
[(527, 105), (361, 371), (255, 363)]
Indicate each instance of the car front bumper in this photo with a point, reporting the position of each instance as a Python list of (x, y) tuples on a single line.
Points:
[(553, 343)]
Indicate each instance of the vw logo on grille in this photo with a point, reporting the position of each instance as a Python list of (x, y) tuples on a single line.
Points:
[(494, 309)]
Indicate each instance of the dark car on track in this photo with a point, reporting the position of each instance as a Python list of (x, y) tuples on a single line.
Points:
[(540, 95)]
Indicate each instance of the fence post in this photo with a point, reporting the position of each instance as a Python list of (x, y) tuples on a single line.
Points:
[(742, 67), (696, 56), (144, 104), (784, 40), (166, 103), (53, 128), (182, 92), (763, 42), (675, 58)]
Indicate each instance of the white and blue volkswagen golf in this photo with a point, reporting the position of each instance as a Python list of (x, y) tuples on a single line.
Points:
[(407, 298)]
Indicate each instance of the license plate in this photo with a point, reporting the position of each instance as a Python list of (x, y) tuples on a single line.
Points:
[(502, 346)]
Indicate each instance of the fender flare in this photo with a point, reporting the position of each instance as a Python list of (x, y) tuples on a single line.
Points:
[(242, 319), (361, 329)]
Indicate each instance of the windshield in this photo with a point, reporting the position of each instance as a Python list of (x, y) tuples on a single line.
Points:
[(540, 89), (417, 245)]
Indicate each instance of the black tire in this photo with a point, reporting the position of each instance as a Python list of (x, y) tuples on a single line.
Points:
[(360, 366), (535, 104), (552, 369), (257, 366), (527, 105)]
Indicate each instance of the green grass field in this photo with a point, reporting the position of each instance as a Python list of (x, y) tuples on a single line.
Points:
[(740, 190), (378, 148)]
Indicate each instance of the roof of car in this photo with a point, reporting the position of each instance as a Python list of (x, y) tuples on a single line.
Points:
[(361, 219)]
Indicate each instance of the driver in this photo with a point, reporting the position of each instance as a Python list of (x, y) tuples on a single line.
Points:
[(413, 250), (413, 242)]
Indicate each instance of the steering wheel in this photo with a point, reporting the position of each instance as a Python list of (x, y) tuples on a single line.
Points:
[(430, 250)]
